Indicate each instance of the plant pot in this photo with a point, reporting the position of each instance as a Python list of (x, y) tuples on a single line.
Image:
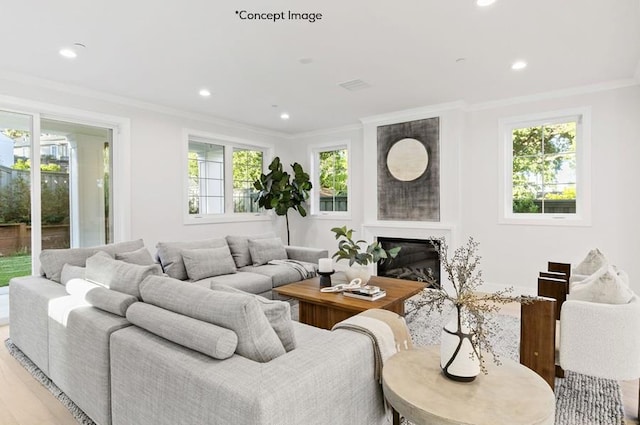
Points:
[(458, 358), (358, 271)]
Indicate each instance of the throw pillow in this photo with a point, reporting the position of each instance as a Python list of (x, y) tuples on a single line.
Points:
[(206, 338), (256, 338), (277, 312), (208, 262), (594, 261), (52, 260), (139, 256), (100, 297), (603, 287), (118, 275), (264, 250), (239, 246), (71, 272), (170, 255)]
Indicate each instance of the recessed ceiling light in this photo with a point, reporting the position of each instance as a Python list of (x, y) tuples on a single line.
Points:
[(284, 116), (483, 3), (68, 53), (204, 93), (518, 65), (305, 61)]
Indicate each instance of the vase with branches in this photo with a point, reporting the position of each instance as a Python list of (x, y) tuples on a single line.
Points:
[(466, 339)]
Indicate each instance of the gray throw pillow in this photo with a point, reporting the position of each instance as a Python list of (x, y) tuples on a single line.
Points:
[(52, 260), (239, 246), (264, 250), (208, 262), (170, 255), (256, 338), (278, 314), (206, 338), (71, 272), (118, 275), (139, 256)]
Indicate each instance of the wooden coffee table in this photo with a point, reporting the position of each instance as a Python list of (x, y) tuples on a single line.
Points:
[(325, 309)]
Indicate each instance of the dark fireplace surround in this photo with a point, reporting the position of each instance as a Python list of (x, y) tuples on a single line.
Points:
[(415, 259)]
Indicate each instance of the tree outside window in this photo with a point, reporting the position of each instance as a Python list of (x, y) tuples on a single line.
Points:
[(333, 176), (247, 167), (544, 169)]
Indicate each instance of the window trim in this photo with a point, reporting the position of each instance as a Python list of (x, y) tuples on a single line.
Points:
[(314, 199), (582, 217), (229, 143)]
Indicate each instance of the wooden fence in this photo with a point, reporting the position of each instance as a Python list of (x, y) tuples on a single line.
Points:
[(16, 238)]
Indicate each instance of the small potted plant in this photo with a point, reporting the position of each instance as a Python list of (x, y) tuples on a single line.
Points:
[(351, 250), (465, 338)]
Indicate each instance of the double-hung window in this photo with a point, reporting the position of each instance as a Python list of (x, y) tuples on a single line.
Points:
[(330, 166), (220, 176), (546, 169)]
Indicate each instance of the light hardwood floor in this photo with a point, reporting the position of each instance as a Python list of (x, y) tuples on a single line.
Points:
[(23, 401)]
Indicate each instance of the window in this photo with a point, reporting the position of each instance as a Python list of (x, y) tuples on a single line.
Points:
[(546, 169), (331, 180), (221, 172), (247, 167)]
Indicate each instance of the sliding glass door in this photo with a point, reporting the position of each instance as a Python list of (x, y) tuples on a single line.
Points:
[(55, 187)]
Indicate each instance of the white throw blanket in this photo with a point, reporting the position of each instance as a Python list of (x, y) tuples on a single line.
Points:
[(388, 332), (306, 270)]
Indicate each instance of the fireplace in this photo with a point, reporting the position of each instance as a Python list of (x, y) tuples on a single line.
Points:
[(417, 260)]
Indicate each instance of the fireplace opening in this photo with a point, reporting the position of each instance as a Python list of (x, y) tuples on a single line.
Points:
[(417, 260)]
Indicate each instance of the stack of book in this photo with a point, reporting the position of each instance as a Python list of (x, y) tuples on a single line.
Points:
[(369, 293)]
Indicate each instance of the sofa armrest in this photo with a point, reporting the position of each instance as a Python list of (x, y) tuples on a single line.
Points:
[(308, 255)]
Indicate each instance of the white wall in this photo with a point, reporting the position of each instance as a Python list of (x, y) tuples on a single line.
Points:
[(513, 254), (156, 181)]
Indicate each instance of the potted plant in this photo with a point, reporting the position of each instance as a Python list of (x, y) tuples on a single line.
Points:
[(277, 191), (465, 338), (348, 249)]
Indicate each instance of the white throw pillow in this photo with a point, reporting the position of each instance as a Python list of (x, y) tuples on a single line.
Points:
[(593, 262), (605, 286)]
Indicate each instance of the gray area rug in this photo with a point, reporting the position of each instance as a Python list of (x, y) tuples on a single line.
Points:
[(580, 399)]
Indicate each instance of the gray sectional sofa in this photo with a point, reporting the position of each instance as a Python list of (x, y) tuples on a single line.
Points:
[(145, 347)]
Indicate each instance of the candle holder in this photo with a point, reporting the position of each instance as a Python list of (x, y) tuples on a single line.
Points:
[(325, 278)]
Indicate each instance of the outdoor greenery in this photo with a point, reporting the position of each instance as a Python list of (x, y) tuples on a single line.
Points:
[(277, 191), (348, 249), (14, 266), (333, 172), (247, 167), (543, 165)]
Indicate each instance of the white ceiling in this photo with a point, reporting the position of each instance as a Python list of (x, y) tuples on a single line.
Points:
[(164, 51)]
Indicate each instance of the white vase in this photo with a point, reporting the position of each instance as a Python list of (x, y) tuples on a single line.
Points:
[(458, 359), (358, 271)]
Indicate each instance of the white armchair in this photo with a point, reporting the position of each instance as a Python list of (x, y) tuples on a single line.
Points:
[(601, 340)]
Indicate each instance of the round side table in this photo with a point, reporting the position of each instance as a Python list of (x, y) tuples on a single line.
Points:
[(511, 394)]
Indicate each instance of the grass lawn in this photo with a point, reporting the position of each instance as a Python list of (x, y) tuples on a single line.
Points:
[(13, 266)]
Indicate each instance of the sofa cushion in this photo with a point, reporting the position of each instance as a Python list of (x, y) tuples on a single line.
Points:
[(72, 272), (239, 246), (208, 262), (52, 260), (278, 313), (264, 250), (170, 255), (139, 256), (206, 338), (245, 281), (100, 297), (118, 275), (279, 274), (605, 286), (256, 338), (594, 261)]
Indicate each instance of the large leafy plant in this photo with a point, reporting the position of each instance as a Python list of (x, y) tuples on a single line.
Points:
[(277, 191), (348, 249)]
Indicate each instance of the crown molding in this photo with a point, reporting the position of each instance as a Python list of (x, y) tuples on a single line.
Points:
[(413, 114), (573, 91), (125, 101)]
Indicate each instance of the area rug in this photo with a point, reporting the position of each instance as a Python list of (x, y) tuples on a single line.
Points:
[(580, 399)]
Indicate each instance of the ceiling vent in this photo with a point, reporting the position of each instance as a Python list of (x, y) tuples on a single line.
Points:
[(355, 85)]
